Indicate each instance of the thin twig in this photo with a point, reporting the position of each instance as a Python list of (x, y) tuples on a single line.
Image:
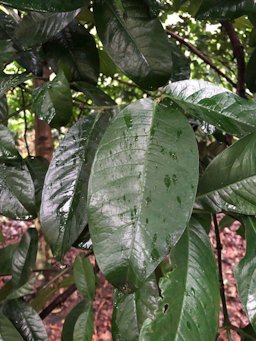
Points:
[(200, 54), (238, 51), (57, 301), (226, 321), (25, 122)]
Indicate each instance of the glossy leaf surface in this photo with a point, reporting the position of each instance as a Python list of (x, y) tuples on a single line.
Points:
[(25, 320), (6, 255), (8, 82), (46, 6), (228, 183), (130, 311), (83, 330), (70, 321), (127, 34), (24, 258), (140, 173), (3, 110), (8, 150), (97, 96), (74, 51), (215, 105), (17, 191), (52, 101), (63, 210), (37, 28), (7, 330), (227, 9), (245, 271), (189, 306), (84, 277)]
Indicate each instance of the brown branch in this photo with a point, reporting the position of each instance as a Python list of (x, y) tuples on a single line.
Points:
[(201, 55), (238, 51), (57, 301)]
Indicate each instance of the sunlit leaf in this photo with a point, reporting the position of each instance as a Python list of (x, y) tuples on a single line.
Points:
[(139, 176), (46, 6), (189, 306)]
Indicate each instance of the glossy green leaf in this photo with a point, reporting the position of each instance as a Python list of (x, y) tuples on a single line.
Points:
[(24, 258), (181, 69), (107, 67), (226, 9), (127, 37), (189, 306), (7, 82), (247, 333), (7, 51), (37, 167), (74, 51), (37, 28), (17, 191), (7, 330), (139, 175), (70, 321), (63, 211), (250, 74), (26, 289), (83, 329), (130, 311), (52, 101), (3, 110), (46, 6), (228, 183), (84, 277), (245, 271), (214, 105), (25, 320), (205, 220), (83, 242), (6, 255), (97, 96), (8, 150)]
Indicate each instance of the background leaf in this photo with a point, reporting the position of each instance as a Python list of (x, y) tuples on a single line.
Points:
[(130, 311), (24, 258), (17, 191), (46, 6), (83, 330), (84, 277), (7, 330), (70, 321), (8, 82), (74, 51), (250, 73), (52, 101), (189, 306), (6, 255), (214, 105), (25, 320), (8, 150), (245, 271), (37, 28), (228, 182), (145, 148), (63, 210), (127, 38)]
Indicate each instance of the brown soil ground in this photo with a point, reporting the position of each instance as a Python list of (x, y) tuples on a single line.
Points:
[(233, 251)]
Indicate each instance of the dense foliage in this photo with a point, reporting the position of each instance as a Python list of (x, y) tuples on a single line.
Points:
[(148, 158)]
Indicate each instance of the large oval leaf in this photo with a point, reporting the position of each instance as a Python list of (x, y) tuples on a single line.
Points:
[(46, 6), (7, 330), (52, 101), (37, 28), (8, 150), (228, 183), (146, 167), (8, 82), (63, 211), (189, 306), (74, 51), (17, 192), (130, 311), (245, 271), (215, 105), (24, 258), (25, 320), (227, 9), (135, 42)]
